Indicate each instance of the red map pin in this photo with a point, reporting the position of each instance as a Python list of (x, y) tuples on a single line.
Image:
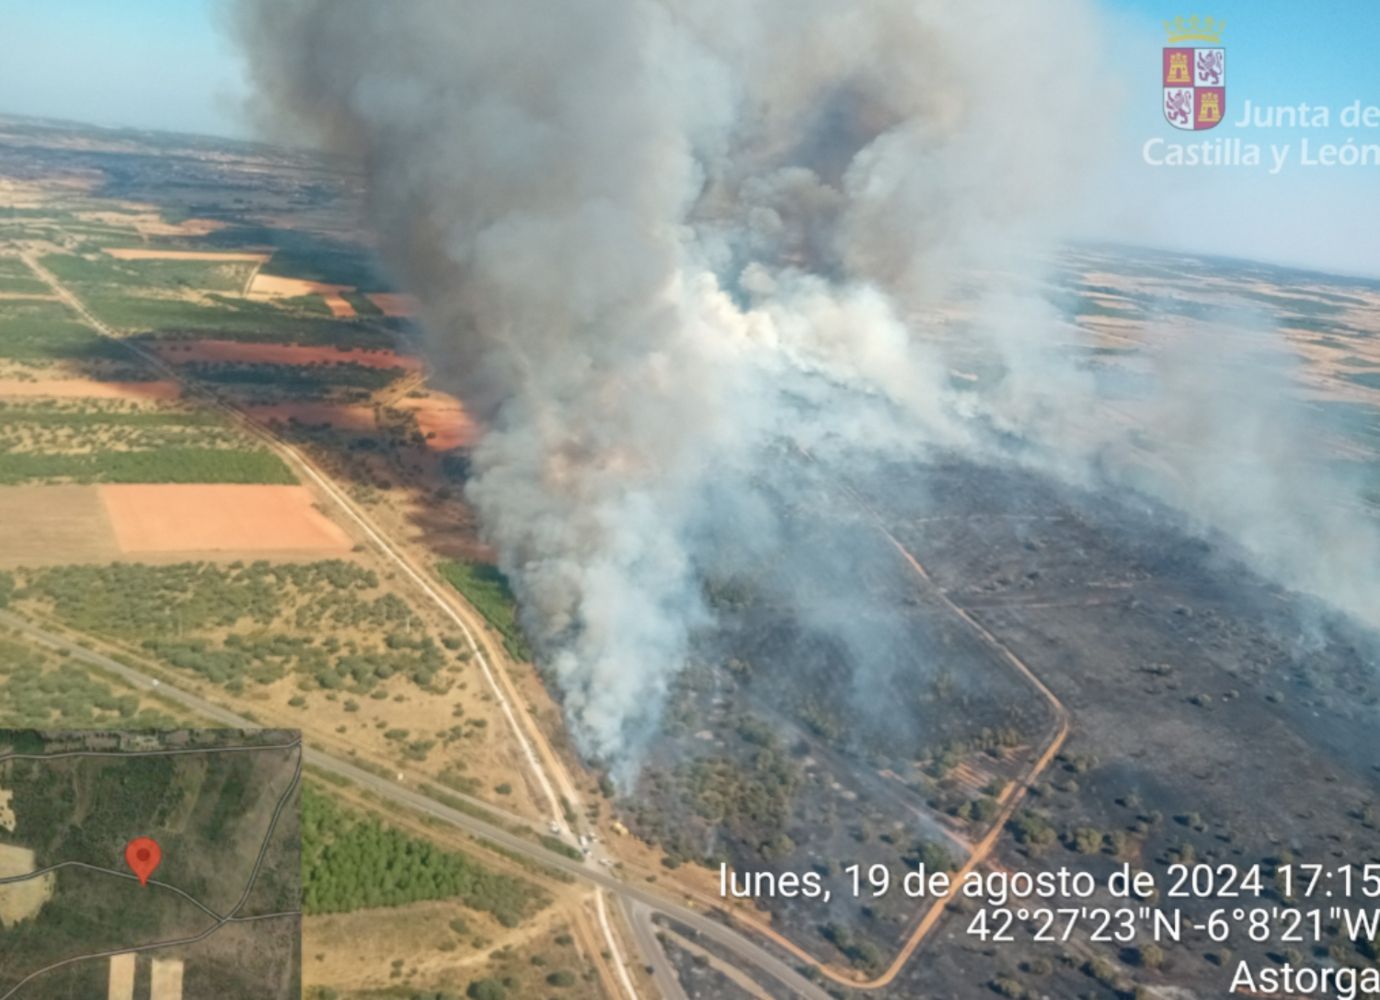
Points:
[(142, 854)]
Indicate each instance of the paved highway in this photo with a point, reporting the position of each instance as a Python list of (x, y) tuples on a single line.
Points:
[(639, 920)]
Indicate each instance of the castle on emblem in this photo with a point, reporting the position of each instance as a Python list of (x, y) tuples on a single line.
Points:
[(1193, 78), (1209, 109), (1178, 68)]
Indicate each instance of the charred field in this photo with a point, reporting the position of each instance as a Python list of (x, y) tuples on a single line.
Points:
[(1214, 716)]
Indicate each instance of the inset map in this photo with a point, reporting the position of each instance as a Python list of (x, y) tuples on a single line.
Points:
[(216, 812)]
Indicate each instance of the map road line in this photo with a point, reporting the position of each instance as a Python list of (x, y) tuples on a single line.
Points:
[(117, 874)]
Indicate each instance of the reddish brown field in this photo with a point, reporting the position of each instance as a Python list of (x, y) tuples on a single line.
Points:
[(82, 388), (216, 518), (281, 354), (442, 418), (394, 303)]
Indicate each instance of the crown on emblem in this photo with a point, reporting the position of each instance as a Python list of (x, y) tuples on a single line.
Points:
[(1194, 29)]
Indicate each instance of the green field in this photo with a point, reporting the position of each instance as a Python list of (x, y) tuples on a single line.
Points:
[(100, 414), (487, 589), (22, 284), (242, 319), (144, 296), (173, 465), (97, 425), (155, 275), (105, 441), (41, 331), (351, 861)]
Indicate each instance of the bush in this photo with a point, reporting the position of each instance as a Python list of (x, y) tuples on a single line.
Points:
[(1032, 829), (486, 989), (1151, 956)]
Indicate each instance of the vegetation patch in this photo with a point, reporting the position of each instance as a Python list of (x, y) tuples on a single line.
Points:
[(488, 590), (351, 861), (40, 331), (42, 690), (112, 441), (158, 275), (172, 465), (328, 623)]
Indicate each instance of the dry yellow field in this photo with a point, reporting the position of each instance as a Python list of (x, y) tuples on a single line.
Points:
[(141, 253), (270, 286), (23, 899), (85, 388), (59, 524), (53, 525)]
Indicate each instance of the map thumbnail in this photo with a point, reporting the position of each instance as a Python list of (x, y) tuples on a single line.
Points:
[(156, 865)]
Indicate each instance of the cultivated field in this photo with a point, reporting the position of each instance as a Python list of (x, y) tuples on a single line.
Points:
[(53, 525), (34, 387), (246, 520)]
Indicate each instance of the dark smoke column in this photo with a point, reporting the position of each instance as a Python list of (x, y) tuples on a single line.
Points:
[(654, 239)]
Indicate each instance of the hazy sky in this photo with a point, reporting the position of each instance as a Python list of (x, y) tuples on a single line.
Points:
[(166, 64), (1278, 52), (161, 64)]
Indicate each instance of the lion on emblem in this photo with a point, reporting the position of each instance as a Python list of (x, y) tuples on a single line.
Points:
[(1178, 106), (1210, 66)]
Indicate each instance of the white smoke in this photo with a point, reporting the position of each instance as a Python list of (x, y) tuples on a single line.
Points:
[(655, 239)]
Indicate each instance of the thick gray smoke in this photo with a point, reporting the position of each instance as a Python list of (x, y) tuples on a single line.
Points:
[(657, 240)]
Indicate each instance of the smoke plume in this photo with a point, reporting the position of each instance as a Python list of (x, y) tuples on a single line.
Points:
[(658, 243)]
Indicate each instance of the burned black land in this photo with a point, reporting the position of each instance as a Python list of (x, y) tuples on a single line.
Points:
[(1213, 717), (1216, 718)]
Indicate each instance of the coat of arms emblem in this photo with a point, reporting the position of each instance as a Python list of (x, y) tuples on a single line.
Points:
[(1194, 77)]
